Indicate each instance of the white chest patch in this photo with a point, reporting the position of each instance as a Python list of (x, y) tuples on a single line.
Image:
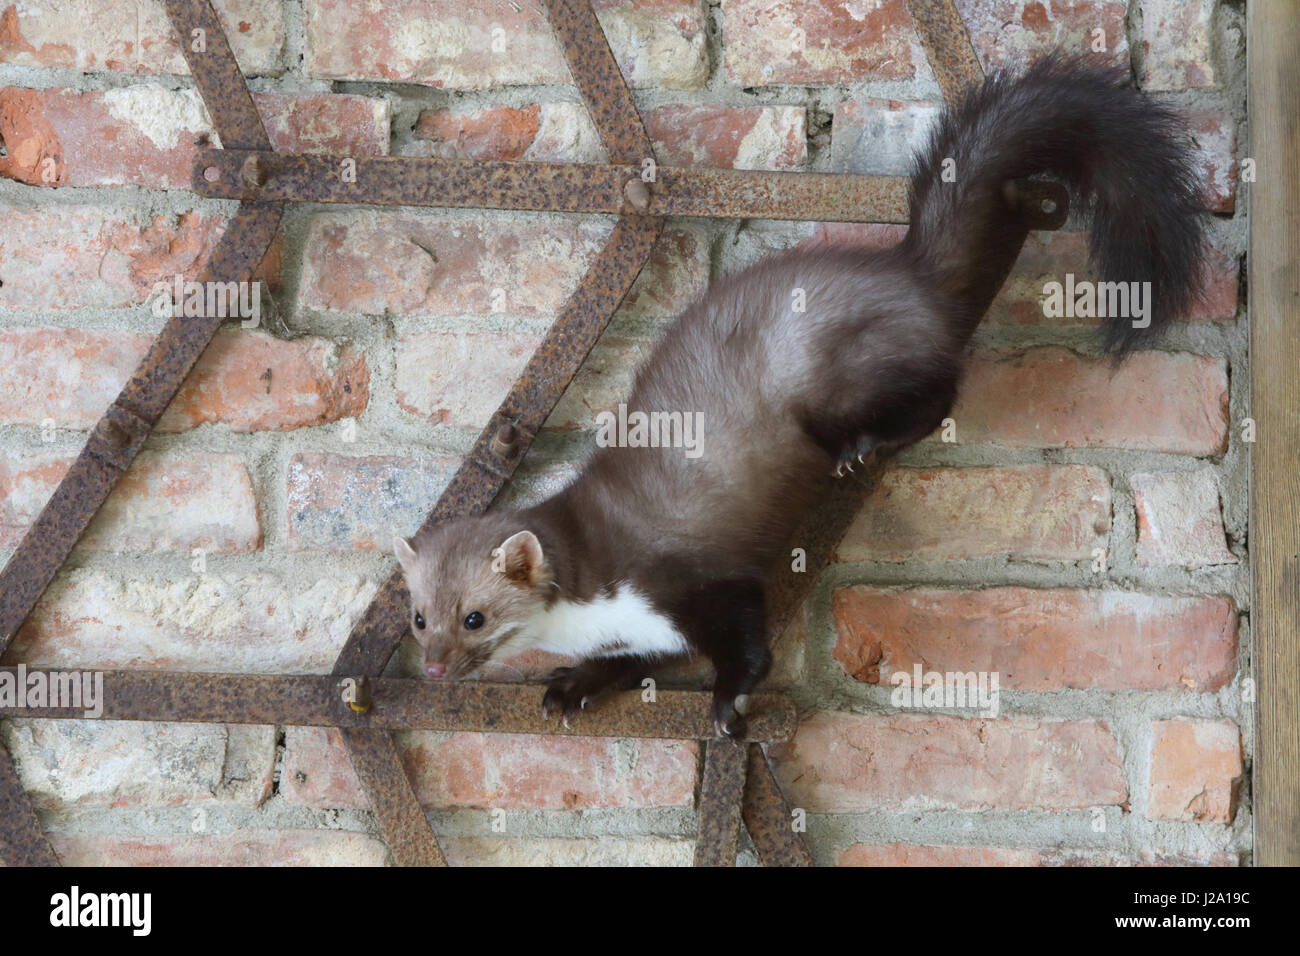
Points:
[(625, 623)]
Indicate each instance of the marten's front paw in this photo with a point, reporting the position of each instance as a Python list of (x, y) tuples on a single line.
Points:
[(566, 695), (728, 720)]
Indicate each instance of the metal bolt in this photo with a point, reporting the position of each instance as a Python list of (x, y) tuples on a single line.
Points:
[(505, 443), (212, 174), (362, 697)]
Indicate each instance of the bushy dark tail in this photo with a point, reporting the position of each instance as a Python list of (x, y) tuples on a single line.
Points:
[(1113, 146)]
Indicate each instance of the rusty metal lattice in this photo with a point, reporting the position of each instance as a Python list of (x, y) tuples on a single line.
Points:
[(737, 781)]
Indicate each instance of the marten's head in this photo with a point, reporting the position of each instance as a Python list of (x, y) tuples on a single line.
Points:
[(475, 583)]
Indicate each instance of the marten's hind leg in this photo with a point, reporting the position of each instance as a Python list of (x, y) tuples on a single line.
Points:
[(726, 621)]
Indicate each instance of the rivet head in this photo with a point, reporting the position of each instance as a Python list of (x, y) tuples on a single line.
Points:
[(252, 172), (637, 193), (212, 174)]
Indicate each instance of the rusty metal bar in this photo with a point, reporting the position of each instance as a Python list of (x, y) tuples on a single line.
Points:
[(599, 80), (767, 816), (217, 74), (400, 817), (947, 46), (721, 791), (551, 187), (22, 841), (322, 700), (119, 435)]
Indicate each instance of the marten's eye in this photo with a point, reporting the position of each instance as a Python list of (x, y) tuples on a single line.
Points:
[(419, 621), (474, 620)]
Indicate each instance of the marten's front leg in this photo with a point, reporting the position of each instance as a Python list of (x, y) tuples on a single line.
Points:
[(574, 689)]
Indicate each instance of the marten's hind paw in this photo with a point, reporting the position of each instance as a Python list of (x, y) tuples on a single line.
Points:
[(854, 454)]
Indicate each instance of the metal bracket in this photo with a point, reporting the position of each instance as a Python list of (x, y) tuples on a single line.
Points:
[(737, 782)]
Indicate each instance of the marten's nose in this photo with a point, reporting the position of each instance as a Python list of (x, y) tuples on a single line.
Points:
[(435, 668)]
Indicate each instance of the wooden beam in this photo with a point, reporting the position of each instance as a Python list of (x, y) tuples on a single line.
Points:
[(1273, 38)]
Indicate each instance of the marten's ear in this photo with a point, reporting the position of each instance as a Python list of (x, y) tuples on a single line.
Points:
[(520, 558), (405, 552)]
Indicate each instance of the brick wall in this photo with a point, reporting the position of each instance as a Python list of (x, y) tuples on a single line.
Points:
[(1084, 537)]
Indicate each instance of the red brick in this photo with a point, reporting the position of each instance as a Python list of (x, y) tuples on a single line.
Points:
[(839, 762), (164, 502), (148, 135), (1046, 257), (1049, 256), (1028, 513), (1173, 402), (71, 376), (494, 132), (342, 503), (1179, 520), (1039, 639), (1176, 44), (263, 621), (1196, 767), (311, 381), (381, 262), (506, 771), (107, 257), (132, 37), (759, 137), (450, 44), (905, 854), (246, 848), (1009, 32), (811, 42)]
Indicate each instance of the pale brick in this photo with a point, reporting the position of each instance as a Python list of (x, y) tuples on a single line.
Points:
[(70, 257), (133, 37), (1173, 402), (164, 502), (904, 854), (551, 851), (450, 44), (342, 503), (460, 264), (1039, 639), (1176, 44), (874, 137), (1215, 135), (265, 622), (839, 762), (459, 378), (1196, 767), (246, 848), (1010, 32), (88, 763), (1028, 513), (1179, 520), (505, 771)]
